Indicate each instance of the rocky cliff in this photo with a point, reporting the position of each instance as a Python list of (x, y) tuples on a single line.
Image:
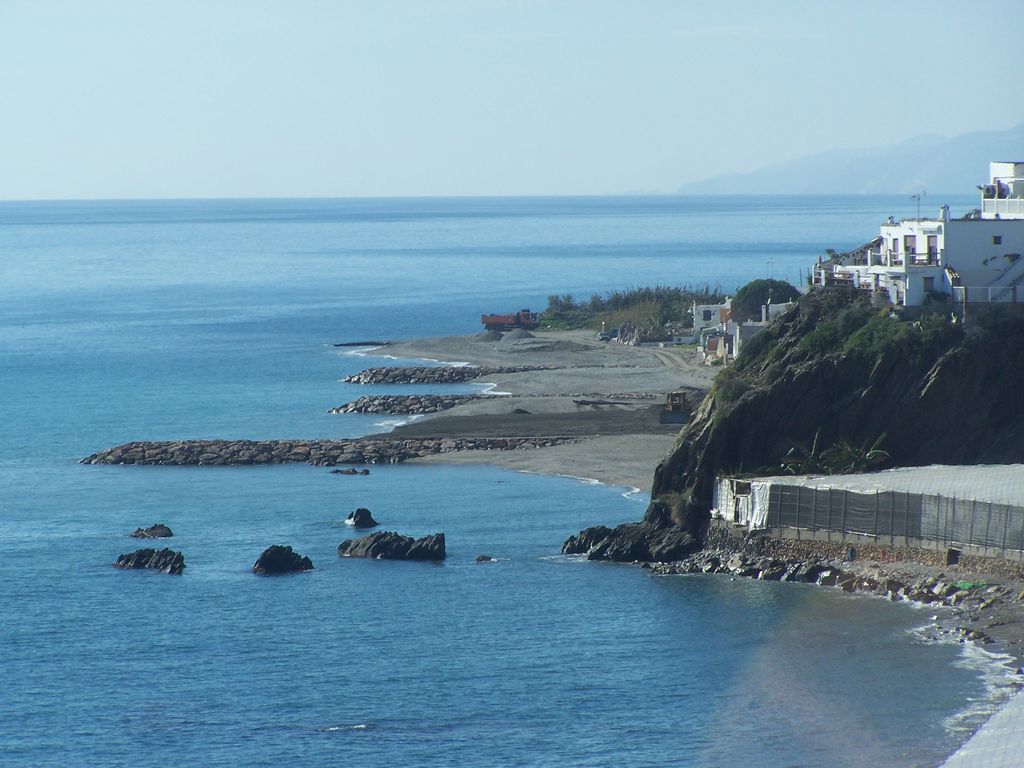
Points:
[(835, 384)]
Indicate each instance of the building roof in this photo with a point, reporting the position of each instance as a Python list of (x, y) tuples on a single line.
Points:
[(996, 483)]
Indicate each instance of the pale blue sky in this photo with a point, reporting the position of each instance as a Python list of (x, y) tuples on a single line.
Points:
[(238, 98)]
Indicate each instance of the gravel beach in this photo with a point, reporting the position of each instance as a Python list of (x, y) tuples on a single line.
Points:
[(607, 395)]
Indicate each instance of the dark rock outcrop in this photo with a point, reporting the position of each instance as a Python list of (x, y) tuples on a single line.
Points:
[(632, 542), (156, 531), (361, 518), (277, 559), (834, 374), (163, 560), (833, 371), (387, 545), (484, 559), (350, 471)]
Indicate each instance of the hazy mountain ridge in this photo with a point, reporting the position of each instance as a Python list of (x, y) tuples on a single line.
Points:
[(929, 162)]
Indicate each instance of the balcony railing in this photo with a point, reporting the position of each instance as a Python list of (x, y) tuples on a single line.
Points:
[(1011, 206), (1006, 294), (922, 259)]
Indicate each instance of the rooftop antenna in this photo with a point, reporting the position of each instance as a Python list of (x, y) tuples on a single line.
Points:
[(918, 197), (770, 263)]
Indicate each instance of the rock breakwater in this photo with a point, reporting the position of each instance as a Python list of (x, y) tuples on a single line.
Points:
[(403, 404), (323, 453), (445, 374)]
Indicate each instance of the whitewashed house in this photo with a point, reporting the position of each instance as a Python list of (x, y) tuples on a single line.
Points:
[(711, 315), (976, 258), (741, 332), (724, 341)]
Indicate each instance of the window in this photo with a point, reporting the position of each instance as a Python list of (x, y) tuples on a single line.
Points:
[(896, 245), (707, 315), (929, 284), (997, 239), (910, 244)]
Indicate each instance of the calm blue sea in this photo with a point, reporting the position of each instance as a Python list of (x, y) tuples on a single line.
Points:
[(154, 320)]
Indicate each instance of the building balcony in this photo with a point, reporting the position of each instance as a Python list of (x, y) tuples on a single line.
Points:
[(1005, 208), (890, 259), (926, 259), (1004, 294)]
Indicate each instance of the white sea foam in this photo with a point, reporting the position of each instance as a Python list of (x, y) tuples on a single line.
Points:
[(1001, 682), (632, 492), (635, 494), (362, 352), (996, 670), (392, 423), (356, 727), (488, 388)]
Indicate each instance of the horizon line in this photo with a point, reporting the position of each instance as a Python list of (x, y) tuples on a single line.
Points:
[(597, 195)]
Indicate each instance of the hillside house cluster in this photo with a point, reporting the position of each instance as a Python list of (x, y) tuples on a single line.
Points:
[(972, 259), (720, 337)]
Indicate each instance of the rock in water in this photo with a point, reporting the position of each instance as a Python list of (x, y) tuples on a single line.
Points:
[(156, 531), (277, 559), (632, 542), (387, 545), (361, 518), (163, 560), (484, 559)]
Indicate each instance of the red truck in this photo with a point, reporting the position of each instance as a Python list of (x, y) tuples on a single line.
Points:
[(524, 318)]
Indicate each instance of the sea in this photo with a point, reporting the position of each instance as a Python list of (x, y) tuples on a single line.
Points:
[(132, 320)]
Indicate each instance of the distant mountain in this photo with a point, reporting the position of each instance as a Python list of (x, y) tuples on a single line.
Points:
[(933, 163)]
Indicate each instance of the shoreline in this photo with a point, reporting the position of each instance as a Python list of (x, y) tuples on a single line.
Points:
[(617, 445), (986, 619)]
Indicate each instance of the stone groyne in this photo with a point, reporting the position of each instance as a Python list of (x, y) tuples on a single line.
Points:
[(323, 453), (447, 374), (403, 404)]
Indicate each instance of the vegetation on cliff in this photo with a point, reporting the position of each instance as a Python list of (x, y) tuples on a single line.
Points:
[(644, 307), (747, 303), (835, 374)]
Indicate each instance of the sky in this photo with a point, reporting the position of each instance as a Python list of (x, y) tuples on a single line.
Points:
[(321, 98)]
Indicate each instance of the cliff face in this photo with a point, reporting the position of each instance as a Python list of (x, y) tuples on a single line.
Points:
[(834, 377)]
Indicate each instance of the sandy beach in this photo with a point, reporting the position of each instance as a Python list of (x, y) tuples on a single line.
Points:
[(605, 395)]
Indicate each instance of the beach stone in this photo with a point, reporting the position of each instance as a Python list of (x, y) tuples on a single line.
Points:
[(809, 572), (736, 563), (361, 518), (163, 560), (387, 545), (156, 531), (278, 559)]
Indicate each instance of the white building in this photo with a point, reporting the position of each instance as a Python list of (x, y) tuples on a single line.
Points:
[(711, 315), (972, 259), (724, 340)]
